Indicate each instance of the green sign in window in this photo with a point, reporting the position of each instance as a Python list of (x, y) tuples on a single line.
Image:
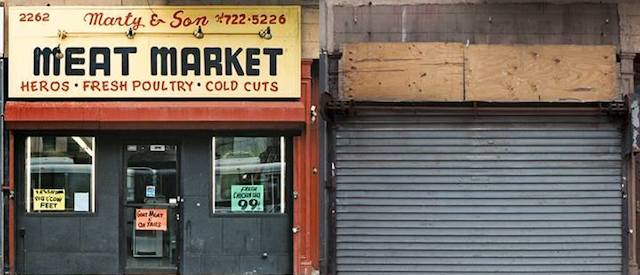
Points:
[(247, 198)]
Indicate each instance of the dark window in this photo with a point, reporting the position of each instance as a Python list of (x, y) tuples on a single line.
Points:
[(59, 173), (248, 175)]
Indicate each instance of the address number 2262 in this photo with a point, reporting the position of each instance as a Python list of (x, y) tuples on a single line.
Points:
[(34, 17)]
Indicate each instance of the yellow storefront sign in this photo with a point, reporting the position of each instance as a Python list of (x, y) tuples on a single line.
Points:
[(154, 52), (48, 199)]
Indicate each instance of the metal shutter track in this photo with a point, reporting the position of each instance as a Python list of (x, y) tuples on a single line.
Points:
[(421, 194)]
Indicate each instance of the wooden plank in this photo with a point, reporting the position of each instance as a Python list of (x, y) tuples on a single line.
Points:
[(402, 72), (540, 73)]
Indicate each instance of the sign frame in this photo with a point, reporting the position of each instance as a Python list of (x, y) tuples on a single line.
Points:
[(247, 61)]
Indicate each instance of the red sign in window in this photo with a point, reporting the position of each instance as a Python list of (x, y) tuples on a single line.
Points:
[(151, 219)]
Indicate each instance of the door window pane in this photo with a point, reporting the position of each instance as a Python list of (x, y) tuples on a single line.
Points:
[(248, 175), (151, 173), (59, 173)]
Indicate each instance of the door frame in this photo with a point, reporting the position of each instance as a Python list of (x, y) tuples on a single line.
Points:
[(150, 139)]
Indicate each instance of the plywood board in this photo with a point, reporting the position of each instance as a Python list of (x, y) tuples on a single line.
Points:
[(402, 72), (540, 73)]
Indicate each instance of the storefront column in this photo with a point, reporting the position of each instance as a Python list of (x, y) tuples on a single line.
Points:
[(306, 213), (627, 89), (11, 230)]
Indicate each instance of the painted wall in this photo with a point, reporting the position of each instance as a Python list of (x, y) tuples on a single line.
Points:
[(227, 243), (72, 244)]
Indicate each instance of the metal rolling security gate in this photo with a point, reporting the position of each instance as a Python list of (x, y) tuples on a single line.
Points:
[(519, 193)]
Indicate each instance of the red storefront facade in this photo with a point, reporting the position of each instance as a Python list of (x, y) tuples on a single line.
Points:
[(179, 123)]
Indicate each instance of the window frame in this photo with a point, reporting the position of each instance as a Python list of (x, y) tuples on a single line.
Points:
[(27, 177), (283, 180)]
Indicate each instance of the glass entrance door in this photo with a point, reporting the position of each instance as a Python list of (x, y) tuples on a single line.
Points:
[(151, 208)]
